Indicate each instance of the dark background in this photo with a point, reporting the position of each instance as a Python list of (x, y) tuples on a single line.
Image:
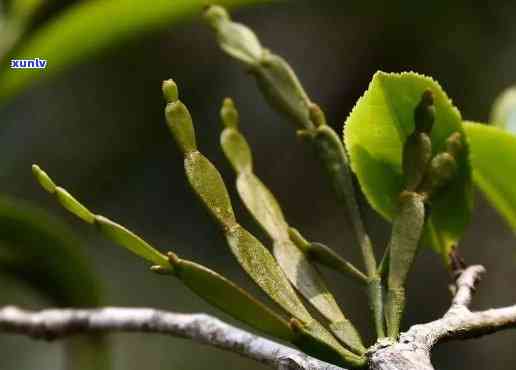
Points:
[(99, 130)]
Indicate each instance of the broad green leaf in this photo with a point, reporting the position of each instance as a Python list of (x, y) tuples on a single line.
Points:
[(503, 114), (88, 27), (266, 210), (375, 133), (493, 158)]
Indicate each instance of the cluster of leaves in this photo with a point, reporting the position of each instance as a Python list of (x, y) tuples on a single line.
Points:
[(42, 252), (413, 155)]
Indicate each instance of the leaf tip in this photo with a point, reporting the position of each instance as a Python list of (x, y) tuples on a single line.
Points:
[(170, 90), (215, 14), (229, 114), (44, 180)]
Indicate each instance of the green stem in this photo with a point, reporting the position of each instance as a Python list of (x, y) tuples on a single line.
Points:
[(327, 257), (383, 267), (332, 154)]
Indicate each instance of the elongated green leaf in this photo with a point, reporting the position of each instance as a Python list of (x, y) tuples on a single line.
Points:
[(276, 79), (129, 240), (227, 296), (88, 27), (325, 256), (282, 89), (211, 286), (493, 153), (205, 179), (314, 339), (407, 227), (110, 229), (375, 133), (257, 261), (264, 207), (252, 255), (207, 183)]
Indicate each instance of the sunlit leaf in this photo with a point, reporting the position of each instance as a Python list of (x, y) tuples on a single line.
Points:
[(493, 158), (374, 134), (503, 114)]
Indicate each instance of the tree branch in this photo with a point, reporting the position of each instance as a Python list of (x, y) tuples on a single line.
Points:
[(459, 322), (410, 352), (59, 323), (466, 284)]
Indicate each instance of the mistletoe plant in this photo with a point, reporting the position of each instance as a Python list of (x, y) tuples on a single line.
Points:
[(405, 142)]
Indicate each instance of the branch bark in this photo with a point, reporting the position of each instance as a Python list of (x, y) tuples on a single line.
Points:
[(59, 323), (410, 352)]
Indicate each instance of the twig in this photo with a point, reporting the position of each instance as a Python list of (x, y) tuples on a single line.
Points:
[(59, 323), (466, 284), (412, 351)]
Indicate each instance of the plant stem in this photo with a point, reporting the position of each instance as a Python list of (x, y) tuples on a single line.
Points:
[(332, 154)]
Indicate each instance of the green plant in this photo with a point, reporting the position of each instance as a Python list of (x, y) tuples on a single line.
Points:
[(414, 159)]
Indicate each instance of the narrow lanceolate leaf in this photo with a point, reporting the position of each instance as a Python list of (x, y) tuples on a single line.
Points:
[(407, 228), (375, 133), (126, 238), (324, 255), (110, 229), (278, 82), (257, 261), (252, 255), (228, 297), (208, 284), (283, 90), (314, 339), (264, 207), (494, 169)]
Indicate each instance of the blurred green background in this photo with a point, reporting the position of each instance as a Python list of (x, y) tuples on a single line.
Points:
[(99, 130)]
